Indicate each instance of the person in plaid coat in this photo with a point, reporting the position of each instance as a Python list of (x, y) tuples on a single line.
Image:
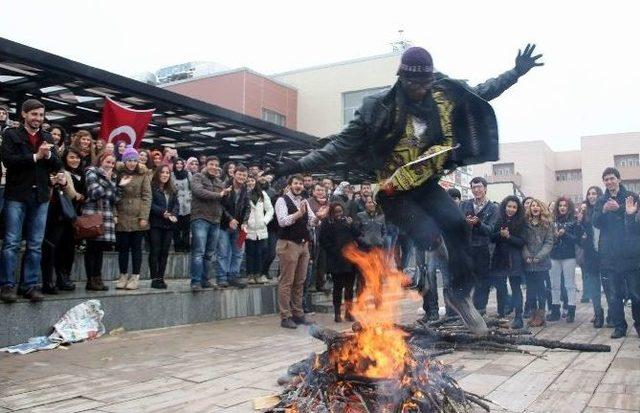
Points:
[(101, 197)]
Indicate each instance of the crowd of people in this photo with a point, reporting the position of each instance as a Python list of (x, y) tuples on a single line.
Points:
[(227, 215), (538, 245)]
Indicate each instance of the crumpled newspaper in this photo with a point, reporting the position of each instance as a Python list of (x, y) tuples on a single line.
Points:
[(82, 322)]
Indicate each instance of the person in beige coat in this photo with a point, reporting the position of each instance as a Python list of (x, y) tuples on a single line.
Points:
[(132, 216)]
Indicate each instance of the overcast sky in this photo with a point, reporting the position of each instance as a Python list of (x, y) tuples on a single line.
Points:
[(589, 85)]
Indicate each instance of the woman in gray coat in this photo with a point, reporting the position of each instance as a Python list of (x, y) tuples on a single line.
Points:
[(539, 242)]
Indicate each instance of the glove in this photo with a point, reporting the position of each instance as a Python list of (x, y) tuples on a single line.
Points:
[(524, 60), (286, 166)]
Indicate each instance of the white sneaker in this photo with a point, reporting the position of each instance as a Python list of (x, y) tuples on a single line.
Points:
[(263, 279)]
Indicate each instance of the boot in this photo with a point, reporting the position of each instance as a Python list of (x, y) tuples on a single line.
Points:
[(134, 282), (464, 307), (598, 321), (537, 319), (517, 322), (571, 314), (121, 284), (347, 313), (337, 317), (64, 283), (158, 283), (95, 284), (555, 313), (49, 288)]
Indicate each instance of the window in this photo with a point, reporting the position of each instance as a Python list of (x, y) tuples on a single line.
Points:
[(502, 169), (351, 101), (626, 160), (274, 117), (632, 185), (570, 175)]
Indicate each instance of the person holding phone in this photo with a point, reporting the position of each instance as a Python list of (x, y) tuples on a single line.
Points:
[(162, 220), (29, 159)]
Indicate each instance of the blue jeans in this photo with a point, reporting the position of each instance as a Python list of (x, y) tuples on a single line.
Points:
[(204, 238), (229, 255), (34, 214)]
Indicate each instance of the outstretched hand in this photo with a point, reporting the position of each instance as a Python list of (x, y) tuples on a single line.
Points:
[(525, 61), (286, 166)]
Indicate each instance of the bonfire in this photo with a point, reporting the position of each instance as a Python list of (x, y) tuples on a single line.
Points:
[(382, 366)]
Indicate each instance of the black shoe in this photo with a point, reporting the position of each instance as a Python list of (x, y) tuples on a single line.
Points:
[(555, 313), (288, 323), (64, 283), (301, 320), (517, 323), (49, 289), (206, 284), (223, 284), (8, 294), (571, 314), (598, 321), (159, 284), (337, 318), (34, 295), (349, 317), (308, 311), (237, 283), (618, 333), (95, 284)]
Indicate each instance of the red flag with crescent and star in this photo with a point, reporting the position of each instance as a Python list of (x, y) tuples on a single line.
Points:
[(120, 123)]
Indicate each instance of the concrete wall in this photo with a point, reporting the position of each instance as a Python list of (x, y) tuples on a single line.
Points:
[(537, 164), (243, 91), (320, 89), (598, 152)]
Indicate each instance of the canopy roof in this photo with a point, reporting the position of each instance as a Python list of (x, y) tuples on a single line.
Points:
[(73, 94)]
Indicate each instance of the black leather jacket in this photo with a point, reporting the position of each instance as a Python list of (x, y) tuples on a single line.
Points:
[(363, 140), (488, 215)]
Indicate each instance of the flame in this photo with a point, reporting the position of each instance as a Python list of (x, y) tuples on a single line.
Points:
[(379, 349)]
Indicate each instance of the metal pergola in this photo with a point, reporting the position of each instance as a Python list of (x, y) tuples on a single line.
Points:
[(74, 93)]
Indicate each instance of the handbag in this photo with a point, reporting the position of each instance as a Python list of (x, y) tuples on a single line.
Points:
[(67, 210), (89, 226)]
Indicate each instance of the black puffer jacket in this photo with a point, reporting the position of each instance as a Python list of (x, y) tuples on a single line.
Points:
[(564, 247), (363, 141), (507, 256)]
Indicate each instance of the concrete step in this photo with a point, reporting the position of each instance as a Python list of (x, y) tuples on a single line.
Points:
[(138, 309)]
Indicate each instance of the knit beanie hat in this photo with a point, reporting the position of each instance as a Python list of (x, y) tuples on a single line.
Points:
[(130, 154), (415, 62)]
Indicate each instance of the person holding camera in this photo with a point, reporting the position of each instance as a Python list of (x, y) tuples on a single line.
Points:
[(28, 156), (507, 261), (563, 258)]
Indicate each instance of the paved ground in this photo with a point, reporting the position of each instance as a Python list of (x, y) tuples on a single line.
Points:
[(223, 366)]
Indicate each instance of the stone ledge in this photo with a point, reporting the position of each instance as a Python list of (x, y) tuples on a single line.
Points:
[(139, 309)]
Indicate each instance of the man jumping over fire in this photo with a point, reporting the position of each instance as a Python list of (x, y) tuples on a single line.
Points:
[(410, 136)]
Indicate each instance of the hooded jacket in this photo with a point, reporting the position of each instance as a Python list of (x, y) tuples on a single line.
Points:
[(135, 201)]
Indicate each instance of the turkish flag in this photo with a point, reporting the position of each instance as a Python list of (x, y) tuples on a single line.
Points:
[(123, 124)]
